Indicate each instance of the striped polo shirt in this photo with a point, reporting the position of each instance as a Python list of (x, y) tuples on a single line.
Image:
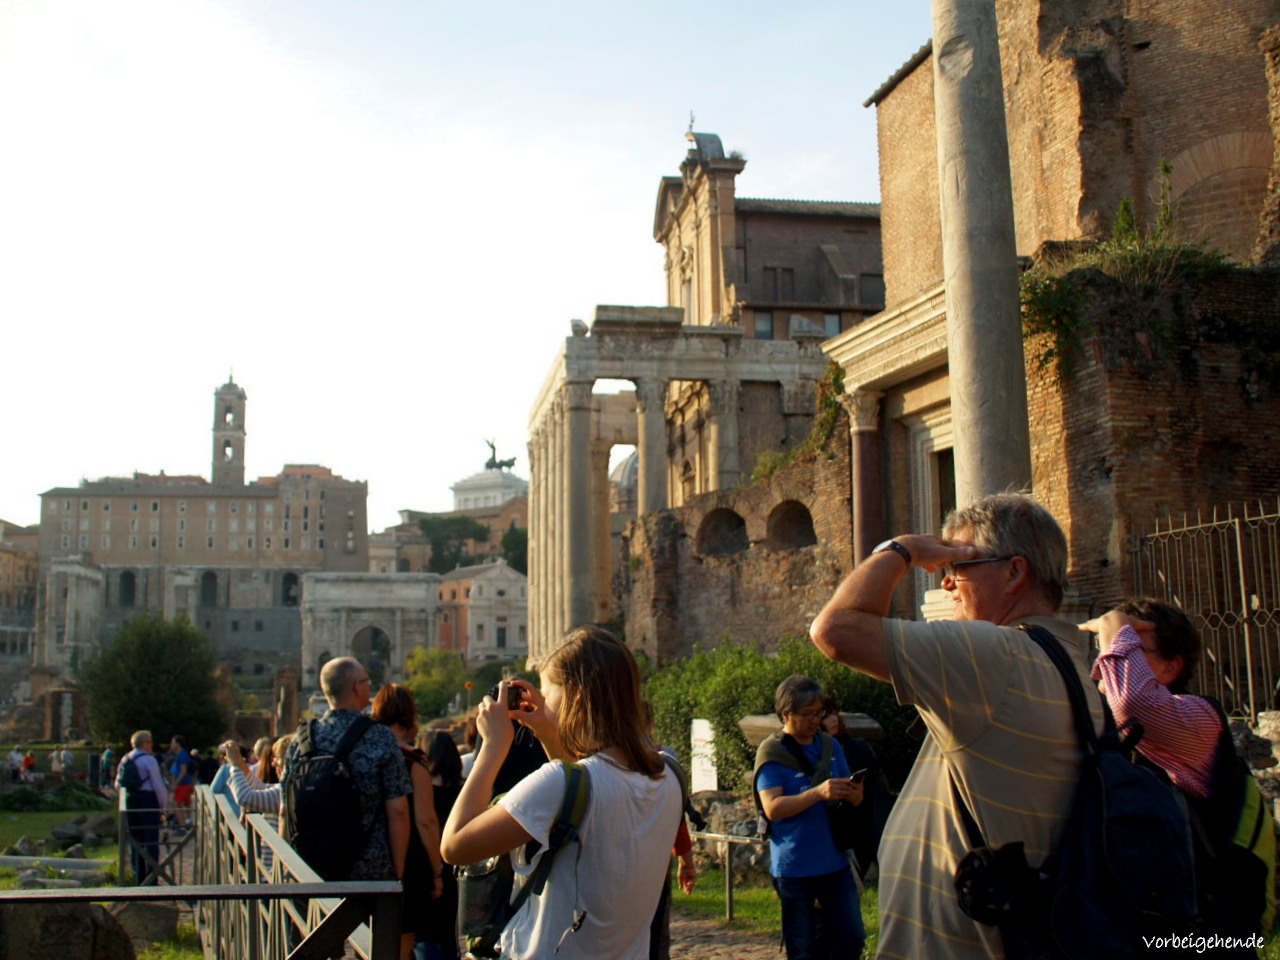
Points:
[(1000, 737)]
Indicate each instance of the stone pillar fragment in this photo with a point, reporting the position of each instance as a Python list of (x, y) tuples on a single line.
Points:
[(979, 255), (863, 407), (651, 398), (725, 469)]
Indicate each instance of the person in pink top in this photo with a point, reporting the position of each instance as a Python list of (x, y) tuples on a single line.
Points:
[(1147, 657)]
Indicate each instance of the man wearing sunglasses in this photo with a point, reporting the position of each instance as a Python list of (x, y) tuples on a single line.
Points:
[(1000, 741)]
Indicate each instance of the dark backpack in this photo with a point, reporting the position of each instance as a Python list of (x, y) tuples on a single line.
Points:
[(323, 816), (1235, 844), (130, 779), (485, 905), (1124, 864)]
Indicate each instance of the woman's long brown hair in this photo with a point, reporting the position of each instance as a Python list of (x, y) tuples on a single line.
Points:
[(601, 705)]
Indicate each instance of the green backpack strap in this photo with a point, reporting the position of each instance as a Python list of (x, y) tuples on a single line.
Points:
[(573, 810)]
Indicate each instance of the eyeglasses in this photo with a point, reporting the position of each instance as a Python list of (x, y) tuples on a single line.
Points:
[(363, 680), (812, 715), (949, 571)]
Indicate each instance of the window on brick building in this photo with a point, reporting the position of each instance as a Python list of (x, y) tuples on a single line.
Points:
[(764, 324)]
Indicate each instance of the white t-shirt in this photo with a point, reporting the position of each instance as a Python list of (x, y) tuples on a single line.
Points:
[(615, 874)]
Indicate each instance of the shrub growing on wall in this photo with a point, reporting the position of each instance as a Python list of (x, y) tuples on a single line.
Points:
[(735, 680)]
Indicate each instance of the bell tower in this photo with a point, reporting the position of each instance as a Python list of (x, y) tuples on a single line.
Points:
[(228, 435)]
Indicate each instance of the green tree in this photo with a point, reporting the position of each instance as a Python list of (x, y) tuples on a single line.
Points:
[(449, 536), (156, 675), (435, 676), (515, 548)]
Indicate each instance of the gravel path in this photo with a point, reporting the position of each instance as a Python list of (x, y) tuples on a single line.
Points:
[(698, 939)]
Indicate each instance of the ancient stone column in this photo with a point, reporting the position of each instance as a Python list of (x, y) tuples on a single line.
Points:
[(601, 541), (651, 399), (863, 407), (984, 324), (577, 469), (535, 530), (725, 469), (558, 567)]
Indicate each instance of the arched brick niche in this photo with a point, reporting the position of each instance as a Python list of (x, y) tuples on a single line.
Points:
[(790, 527), (722, 533)]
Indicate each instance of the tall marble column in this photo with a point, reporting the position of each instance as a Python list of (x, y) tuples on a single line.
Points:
[(863, 407), (979, 253), (601, 540), (558, 567), (577, 470), (536, 532), (726, 470), (651, 400)]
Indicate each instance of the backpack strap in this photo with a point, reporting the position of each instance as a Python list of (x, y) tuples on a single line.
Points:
[(698, 821), (349, 739), (573, 810), (1085, 732)]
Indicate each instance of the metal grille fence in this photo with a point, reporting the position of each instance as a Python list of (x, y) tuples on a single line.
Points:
[(1225, 573)]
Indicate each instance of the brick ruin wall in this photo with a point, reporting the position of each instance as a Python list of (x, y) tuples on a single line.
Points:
[(1145, 429), (1096, 96), (672, 597)]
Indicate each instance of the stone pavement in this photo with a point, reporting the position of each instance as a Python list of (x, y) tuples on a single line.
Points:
[(699, 939)]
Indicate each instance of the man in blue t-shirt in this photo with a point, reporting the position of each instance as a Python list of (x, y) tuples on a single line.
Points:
[(183, 773), (795, 785)]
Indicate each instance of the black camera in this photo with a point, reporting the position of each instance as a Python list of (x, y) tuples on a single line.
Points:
[(514, 696)]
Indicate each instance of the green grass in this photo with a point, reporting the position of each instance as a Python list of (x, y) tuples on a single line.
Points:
[(185, 947), (37, 825), (755, 906)]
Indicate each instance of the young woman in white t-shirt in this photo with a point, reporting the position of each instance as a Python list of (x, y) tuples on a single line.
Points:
[(602, 892)]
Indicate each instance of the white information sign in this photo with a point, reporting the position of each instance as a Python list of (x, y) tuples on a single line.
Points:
[(703, 774)]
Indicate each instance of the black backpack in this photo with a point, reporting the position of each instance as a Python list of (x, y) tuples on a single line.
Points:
[(130, 779), (1124, 865), (323, 818)]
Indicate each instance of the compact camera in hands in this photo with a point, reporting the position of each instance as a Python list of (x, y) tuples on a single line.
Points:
[(514, 695)]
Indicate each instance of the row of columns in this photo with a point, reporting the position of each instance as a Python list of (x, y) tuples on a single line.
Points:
[(569, 517)]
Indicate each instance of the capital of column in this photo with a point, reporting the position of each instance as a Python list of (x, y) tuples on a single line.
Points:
[(863, 407), (724, 396), (577, 394), (650, 395)]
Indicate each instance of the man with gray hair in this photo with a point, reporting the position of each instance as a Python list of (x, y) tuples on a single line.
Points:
[(377, 767), (145, 798), (1001, 747)]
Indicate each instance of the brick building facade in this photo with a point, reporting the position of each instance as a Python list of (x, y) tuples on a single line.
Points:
[(230, 554)]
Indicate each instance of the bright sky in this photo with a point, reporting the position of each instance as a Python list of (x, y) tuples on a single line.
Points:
[(381, 215)]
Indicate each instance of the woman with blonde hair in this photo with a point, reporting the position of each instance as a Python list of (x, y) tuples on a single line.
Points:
[(603, 888)]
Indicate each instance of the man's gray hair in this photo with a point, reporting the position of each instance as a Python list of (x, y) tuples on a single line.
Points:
[(1016, 524), (338, 678), (139, 738), (795, 693)]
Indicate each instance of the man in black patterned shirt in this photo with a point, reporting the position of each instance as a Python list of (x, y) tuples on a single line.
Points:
[(378, 767)]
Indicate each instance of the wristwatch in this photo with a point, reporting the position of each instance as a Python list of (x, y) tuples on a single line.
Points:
[(896, 547)]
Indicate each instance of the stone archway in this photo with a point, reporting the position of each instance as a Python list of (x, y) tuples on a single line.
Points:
[(371, 645)]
